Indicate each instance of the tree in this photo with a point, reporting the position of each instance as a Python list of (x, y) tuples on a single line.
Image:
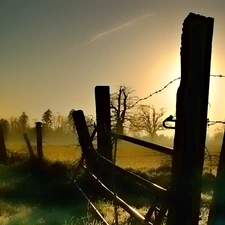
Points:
[(57, 121), (13, 125), (47, 119), (121, 103), (147, 119), (23, 122), (71, 122)]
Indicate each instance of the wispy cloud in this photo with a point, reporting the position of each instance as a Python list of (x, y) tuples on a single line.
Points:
[(107, 32)]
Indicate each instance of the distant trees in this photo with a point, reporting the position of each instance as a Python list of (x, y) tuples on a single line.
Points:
[(53, 123), (47, 119), (23, 122), (147, 119), (13, 125), (121, 103)]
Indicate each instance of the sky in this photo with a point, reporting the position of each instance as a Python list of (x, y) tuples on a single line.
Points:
[(54, 52)]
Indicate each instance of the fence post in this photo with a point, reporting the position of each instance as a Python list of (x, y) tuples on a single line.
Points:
[(217, 209), (102, 101), (39, 140), (3, 154), (191, 120), (31, 152), (84, 139)]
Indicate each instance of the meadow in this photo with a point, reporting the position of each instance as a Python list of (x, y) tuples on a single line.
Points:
[(33, 193)]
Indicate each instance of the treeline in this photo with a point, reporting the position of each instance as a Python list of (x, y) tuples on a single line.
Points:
[(51, 123)]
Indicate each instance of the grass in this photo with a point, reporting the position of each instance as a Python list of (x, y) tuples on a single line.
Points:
[(42, 193), (39, 193)]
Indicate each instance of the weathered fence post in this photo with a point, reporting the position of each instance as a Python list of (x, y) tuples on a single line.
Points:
[(39, 140), (217, 209), (102, 100), (3, 154), (84, 139), (31, 152), (191, 120)]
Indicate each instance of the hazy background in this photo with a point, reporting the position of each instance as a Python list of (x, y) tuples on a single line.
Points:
[(54, 52)]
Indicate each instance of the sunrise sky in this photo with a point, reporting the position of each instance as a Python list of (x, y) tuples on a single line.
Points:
[(54, 52)]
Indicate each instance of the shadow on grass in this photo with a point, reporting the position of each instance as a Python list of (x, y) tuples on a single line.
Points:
[(39, 193), (44, 193)]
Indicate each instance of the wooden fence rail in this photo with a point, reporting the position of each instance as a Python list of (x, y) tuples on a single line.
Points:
[(156, 147), (99, 160), (154, 188), (190, 133)]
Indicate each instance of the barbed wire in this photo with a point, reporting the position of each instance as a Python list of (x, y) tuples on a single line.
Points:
[(156, 92), (210, 123), (219, 75), (171, 82)]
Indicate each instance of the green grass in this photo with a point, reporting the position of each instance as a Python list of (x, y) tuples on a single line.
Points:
[(42, 193), (39, 193)]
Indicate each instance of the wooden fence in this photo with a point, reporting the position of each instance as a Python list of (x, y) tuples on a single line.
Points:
[(181, 202)]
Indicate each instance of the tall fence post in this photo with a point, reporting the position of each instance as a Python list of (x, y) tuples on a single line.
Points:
[(191, 120), (39, 140), (3, 154), (102, 100), (217, 209)]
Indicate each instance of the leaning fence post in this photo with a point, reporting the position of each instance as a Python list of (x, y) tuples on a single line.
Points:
[(217, 209), (3, 154), (32, 156), (84, 139), (39, 140), (191, 120), (102, 100)]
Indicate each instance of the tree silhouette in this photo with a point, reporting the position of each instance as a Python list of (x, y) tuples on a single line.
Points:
[(23, 122), (147, 119), (121, 103), (47, 119)]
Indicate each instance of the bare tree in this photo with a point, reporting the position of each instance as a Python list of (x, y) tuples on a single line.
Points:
[(147, 119), (121, 103)]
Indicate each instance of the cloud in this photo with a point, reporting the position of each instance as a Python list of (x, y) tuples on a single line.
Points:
[(107, 32)]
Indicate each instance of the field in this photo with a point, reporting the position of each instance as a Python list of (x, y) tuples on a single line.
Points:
[(44, 194)]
